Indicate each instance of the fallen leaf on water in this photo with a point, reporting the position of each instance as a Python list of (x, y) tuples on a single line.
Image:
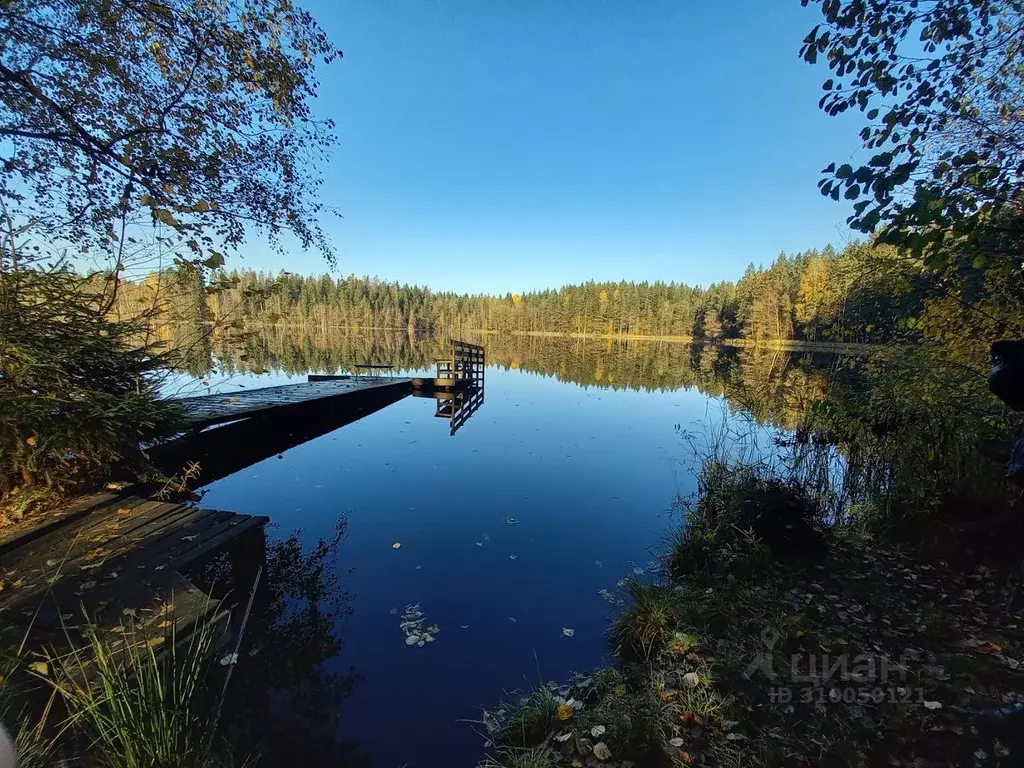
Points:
[(512, 557), (511, 619), (463, 626), (479, 543), (231, 658), (564, 711), (393, 611), (601, 751), (193, 537), (568, 632), (397, 545)]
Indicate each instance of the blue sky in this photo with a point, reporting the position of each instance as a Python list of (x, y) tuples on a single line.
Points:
[(511, 145)]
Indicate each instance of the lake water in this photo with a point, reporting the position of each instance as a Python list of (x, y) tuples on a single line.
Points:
[(506, 533)]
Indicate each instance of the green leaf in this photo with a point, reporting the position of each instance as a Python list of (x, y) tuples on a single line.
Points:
[(845, 171)]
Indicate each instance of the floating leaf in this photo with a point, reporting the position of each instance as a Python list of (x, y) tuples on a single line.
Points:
[(568, 632), (193, 537), (512, 556), (511, 619), (397, 545), (231, 658)]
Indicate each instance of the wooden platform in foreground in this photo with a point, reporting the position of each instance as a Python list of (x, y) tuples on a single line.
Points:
[(207, 410), (124, 552)]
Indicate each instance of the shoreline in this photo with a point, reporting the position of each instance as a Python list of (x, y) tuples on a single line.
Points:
[(777, 344)]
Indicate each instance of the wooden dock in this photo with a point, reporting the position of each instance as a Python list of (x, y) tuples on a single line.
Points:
[(121, 556), (208, 410)]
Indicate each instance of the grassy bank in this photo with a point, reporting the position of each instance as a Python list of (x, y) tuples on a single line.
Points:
[(782, 631)]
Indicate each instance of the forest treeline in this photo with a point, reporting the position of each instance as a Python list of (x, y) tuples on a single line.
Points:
[(817, 295)]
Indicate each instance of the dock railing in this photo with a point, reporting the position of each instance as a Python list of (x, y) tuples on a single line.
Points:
[(466, 364)]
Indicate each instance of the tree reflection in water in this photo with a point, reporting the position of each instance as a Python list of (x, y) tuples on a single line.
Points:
[(284, 702)]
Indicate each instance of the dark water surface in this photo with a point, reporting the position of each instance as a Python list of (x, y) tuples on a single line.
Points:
[(508, 532)]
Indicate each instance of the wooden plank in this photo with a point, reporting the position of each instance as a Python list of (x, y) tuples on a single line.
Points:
[(67, 543), (84, 506), (208, 410), (90, 559)]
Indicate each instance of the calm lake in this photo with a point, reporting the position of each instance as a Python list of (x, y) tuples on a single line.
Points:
[(505, 534)]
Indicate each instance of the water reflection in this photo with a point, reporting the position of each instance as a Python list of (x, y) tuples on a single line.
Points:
[(507, 534), (285, 698), (773, 386)]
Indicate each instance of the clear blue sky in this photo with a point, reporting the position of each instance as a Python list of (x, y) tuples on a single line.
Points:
[(510, 145)]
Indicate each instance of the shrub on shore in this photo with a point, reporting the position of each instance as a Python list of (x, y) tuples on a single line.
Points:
[(77, 401)]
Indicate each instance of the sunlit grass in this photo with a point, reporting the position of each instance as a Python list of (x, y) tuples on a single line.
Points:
[(642, 629), (138, 707)]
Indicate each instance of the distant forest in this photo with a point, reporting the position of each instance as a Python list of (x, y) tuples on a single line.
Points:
[(845, 295)]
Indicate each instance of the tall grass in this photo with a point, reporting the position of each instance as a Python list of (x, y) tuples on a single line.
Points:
[(138, 708)]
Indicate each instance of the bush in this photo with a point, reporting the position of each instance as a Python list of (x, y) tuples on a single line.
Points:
[(77, 400)]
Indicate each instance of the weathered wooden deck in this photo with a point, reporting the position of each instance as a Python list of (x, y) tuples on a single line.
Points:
[(122, 550), (207, 410)]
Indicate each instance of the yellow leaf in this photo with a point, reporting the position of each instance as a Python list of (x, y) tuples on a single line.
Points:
[(40, 667), (31, 441), (124, 511), (564, 711)]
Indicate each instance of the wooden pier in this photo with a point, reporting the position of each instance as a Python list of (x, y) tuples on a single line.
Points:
[(118, 560), (208, 410), (130, 554)]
